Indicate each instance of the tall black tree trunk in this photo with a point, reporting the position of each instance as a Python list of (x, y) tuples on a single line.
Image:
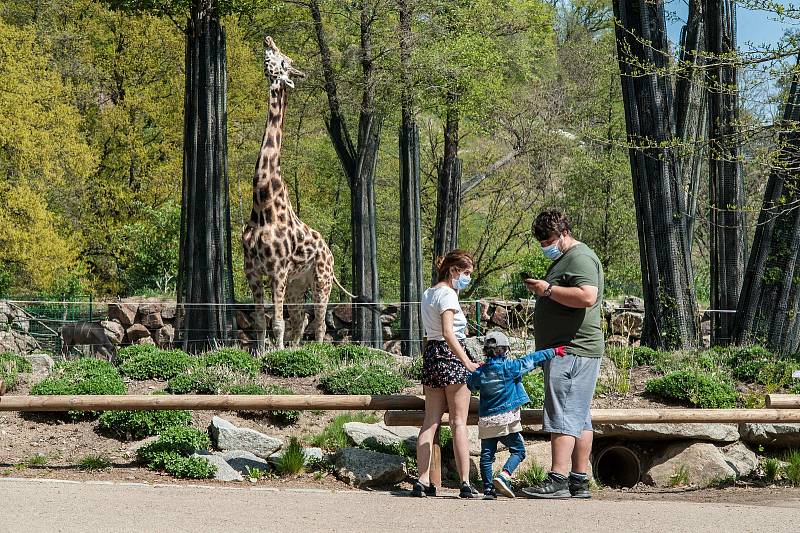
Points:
[(670, 309), (726, 182), (769, 307), (205, 276), (448, 193)]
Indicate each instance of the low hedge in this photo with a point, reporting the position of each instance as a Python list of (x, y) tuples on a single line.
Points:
[(694, 387), (297, 362), (81, 376), (232, 359), (364, 379), (159, 364), (171, 453), (203, 380), (135, 425)]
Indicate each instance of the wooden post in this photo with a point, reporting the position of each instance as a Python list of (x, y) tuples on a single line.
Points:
[(783, 401)]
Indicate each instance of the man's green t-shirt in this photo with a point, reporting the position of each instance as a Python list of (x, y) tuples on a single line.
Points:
[(558, 325)]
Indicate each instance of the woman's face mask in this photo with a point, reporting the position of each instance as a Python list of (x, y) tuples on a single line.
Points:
[(553, 252), (461, 282)]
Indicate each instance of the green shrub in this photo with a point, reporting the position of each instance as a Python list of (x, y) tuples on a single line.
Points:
[(81, 376), (746, 363), (282, 417), (777, 374), (642, 355), (772, 468), (187, 467), (697, 388), (534, 386), (333, 436), (11, 366), (204, 380), (171, 452), (293, 459), (706, 361), (348, 354), (135, 425), (792, 469), (128, 352), (364, 379), (161, 364), (233, 359), (94, 462), (413, 370), (531, 476), (294, 363)]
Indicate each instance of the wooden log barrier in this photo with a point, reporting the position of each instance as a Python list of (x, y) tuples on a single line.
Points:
[(783, 401), (629, 416)]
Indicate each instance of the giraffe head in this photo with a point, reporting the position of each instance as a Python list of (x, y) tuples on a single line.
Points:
[(278, 67)]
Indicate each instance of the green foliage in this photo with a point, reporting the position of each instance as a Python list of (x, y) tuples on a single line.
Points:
[(135, 425), (531, 476), (11, 365), (333, 436), (281, 417), (255, 473), (772, 469), (135, 350), (642, 355), (94, 462), (149, 249), (232, 359), (364, 379), (680, 478), (534, 386), (81, 376), (746, 362), (205, 380), (296, 362), (792, 469), (413, 370), (535, 264), (697, 388), (187, 467), (347, 354), (293, 458), (38, 459), (171, 452), (161, 364)]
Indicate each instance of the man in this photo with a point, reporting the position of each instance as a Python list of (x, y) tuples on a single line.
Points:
[(567, 313)]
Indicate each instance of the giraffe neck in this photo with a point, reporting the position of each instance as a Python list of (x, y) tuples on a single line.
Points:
[(270, 197)]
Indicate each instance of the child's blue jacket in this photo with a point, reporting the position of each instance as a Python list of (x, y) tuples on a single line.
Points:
[(499, 380)]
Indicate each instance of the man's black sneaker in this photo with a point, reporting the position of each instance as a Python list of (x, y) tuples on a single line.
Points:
[(430, 490), (555, 486), (489, 494), (579, 486), (420, 491), (467, 491)]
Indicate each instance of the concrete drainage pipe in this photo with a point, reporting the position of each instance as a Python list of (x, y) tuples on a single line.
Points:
[(617, 466)]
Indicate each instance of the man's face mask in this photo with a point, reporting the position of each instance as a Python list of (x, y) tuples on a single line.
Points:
[(553, 252)]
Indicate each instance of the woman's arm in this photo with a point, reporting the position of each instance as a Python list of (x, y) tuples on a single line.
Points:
[(450, 337)]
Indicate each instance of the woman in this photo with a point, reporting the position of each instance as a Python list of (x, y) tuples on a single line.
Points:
[(445, 367)]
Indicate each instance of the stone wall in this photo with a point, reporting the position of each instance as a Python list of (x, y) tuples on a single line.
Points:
[(141, 321), (15, 331)]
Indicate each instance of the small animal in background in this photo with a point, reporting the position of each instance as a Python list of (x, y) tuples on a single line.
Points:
[(87, 333)]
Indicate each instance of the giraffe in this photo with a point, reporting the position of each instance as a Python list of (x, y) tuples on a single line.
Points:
[(277, 244)]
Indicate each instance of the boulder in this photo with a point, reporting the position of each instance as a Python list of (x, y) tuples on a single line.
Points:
[(123, 312), (41, 362), (500, 317), (17, 342), (136, 333), (704, 464), (145, 340), (168, 312), (388, 334), (395, 348), (240, 460), (743, 460), (640, 432), (310, 455), (365, 468), (150, 308), (114, 331), (627, 324), (165, 336), (377, 434), (343, 313), (151, 320), (225, 472), (633, 303), (388, 318), (617, 341), (225, 436), (779, 435)]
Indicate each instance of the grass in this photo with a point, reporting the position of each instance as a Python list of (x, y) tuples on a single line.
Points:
[(39, 459), (792, 470), (293, 459), (255, 473), (530, 476), (772, 469), (94, 462), (680, 478), (333, 436)]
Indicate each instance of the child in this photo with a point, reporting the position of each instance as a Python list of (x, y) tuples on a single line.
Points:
[(499, 381)]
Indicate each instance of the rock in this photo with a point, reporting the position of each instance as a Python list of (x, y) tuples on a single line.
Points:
[(388, 318), (114, 331), (123, 312), (145, 340), (168, 312), (617, 341), (779, 435), (240, 460), (17, 342), (344, 313), (375, 434), (500, 317), (639, 432), (41, 362), (475, 346), (388, 334), (703, 463), (394, 347), (310, 455), (225, 472), (152, 320), (150, 308), (609, 307), (365, 468), (743, 460), (137, 332), (165, 336), (633, 303), (226, 436), (627, 324)]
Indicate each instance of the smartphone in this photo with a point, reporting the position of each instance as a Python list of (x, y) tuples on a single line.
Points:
[(525, 275)]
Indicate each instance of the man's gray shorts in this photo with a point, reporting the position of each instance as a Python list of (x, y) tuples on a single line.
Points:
[(568, 390)]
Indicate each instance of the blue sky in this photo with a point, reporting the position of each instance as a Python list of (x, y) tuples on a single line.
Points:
[(756, 27)]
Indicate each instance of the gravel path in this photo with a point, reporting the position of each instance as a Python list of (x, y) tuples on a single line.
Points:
[(49, 505)]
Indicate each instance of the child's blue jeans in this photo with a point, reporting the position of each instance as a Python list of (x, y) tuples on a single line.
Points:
[(515, 444)]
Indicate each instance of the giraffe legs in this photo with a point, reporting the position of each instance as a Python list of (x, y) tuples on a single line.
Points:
[(322, 292), (295, 291), (256, 284), (279, 280)]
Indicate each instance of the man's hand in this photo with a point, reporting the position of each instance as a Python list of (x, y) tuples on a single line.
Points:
[(537, 286)]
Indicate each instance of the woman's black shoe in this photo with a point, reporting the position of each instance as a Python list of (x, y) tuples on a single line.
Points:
[(467, 491), (421, 491)]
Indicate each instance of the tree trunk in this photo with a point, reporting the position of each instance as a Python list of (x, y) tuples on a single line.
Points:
[(410, 211), (670, 309), (726, 183), (769, 305), (448, 192), (205, 277)]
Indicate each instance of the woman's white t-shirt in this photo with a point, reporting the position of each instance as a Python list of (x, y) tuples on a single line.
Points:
[(435, 301)]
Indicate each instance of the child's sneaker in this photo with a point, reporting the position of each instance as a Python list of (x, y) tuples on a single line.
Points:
[(503, 485), (467, 491), (489, 494)]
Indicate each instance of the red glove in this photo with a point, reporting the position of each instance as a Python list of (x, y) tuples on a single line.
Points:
[(561, 351)]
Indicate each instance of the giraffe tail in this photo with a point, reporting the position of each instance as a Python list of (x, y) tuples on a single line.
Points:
[(357, 299), (336, 281)]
